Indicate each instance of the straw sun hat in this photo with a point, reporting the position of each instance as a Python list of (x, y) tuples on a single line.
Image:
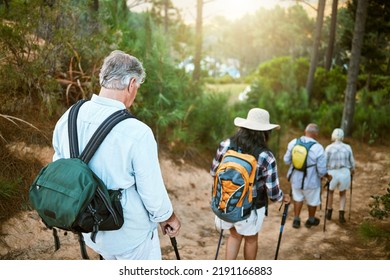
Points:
[(257, 119)]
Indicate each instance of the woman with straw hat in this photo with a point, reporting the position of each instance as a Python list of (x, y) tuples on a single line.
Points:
[(252, 134)]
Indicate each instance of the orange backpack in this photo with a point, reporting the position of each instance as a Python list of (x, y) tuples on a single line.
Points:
[(232, 194)]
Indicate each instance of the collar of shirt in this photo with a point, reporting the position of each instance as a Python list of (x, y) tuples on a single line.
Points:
[(107, 101), (308, 139)]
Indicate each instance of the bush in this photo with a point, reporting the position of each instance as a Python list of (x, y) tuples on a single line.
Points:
[(210, 121), (328, 117), (329, 86), (380, 207), (284, 73), (278, 87), (46, 57), (372, 118)]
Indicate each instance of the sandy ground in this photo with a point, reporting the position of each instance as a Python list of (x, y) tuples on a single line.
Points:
[(25, 237)]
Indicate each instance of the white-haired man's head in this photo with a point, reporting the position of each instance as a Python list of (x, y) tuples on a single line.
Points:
[(337, 134)]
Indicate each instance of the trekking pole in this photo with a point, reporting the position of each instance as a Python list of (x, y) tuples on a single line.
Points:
[(284, 216), (326, 206), (219, 244), (350, 199), (174, 244)]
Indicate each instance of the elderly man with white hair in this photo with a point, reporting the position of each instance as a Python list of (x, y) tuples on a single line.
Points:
[(341, 165)]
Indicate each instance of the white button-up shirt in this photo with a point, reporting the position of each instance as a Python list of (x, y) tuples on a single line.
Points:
[(127, 159)]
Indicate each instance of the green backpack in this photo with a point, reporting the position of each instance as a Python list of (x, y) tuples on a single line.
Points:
[(68, 195)]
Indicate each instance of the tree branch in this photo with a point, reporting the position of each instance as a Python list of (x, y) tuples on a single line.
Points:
[(135, 3), (305, 2)]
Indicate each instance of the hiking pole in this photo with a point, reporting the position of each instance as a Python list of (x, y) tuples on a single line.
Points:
[(174, 244), (219, 244), (284, 216), (350, 199), (326, 206)]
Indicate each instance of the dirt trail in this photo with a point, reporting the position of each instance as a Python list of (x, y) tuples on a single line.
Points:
[(25, 237)]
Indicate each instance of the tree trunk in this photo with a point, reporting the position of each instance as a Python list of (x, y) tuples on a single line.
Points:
[(316, 44), (95, 5), (353, 69), (332, 36), (6, 3), (166, 17), (198, 41), (388, 66), (148, 37)]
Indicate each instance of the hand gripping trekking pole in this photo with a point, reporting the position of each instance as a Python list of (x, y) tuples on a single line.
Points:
[(174, 243), (326, 205), (281, 229)]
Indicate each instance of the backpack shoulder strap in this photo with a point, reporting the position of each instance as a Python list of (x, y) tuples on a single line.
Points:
[(101, 133), (72, 128), (307, 145), (299, 141)]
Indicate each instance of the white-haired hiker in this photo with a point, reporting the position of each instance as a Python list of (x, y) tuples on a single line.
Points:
[(341, 165)]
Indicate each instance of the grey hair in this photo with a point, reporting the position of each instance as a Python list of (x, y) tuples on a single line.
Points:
[(118, 69), (312, 127)]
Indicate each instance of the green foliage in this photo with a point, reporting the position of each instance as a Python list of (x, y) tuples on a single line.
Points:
[(329, 86), (15, 175), (278, 88), (8, 189), (328, 116), (284, 73), (211, 120), (369, 230), (372, 119), (380, 207), (46, 54), (225, 79), (375, 54)]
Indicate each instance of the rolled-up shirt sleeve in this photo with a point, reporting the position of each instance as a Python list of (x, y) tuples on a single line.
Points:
[(321, 162), (149, 181)]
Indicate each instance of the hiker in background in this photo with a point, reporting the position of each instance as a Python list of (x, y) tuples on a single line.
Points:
[(341, 165), (307, 187), (253, 133), (128, 160)]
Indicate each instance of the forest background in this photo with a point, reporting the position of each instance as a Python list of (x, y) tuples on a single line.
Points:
[(326, 62)]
